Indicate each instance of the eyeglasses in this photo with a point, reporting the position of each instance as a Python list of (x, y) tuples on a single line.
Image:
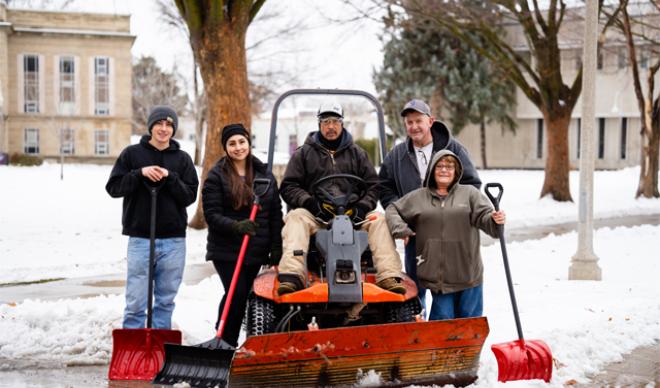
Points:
[(447, 167), (331, 120)]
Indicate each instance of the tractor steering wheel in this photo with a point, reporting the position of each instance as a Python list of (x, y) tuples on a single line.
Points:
[(354, 191)]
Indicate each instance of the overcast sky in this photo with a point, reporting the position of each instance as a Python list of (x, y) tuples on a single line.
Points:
[(323, 54)]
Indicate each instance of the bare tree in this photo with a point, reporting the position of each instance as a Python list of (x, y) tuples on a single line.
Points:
[(638, 22), (152, 86), (542, 82), (217, 34)]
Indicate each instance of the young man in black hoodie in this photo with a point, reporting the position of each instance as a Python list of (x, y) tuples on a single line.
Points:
[(157, 161), (404, 167), (331, 150)]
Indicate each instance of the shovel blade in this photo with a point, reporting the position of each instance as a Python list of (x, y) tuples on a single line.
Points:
[(523, 360), (198, 366), (137, 354)]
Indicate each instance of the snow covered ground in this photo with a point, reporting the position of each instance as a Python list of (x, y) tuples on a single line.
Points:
[(51, 228)]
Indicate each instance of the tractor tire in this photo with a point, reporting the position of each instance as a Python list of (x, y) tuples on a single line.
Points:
[(260, 316), (403, 312)]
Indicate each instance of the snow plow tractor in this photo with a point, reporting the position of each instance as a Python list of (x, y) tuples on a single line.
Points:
[(341, 327)]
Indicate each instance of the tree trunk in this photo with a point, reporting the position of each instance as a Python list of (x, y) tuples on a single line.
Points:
[(557, 166), (200, 115), (648, 171), (199, 135), (482, 136), (223, 65)]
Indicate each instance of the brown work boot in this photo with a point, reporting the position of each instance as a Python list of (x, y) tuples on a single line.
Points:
[(288, 283), (392, 285)]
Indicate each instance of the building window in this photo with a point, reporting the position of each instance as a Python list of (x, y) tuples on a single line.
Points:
[(624, 136), (601, 138), (539, 138), (643, 58), (31, 83), (67, 141), (101, 142), (67, 79), (599, 60), (579, 134), (102, 86), (623, 58), (578, 59), (31, 141)]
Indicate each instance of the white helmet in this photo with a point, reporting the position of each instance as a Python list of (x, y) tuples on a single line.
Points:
[(330, 108)]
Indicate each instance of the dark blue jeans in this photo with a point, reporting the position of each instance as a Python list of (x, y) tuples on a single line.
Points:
[(462, 304), (411, 269)]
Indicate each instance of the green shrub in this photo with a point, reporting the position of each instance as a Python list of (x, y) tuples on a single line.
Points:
[(17, 159)]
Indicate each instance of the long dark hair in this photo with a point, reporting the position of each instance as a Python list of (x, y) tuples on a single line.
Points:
[(240, 189)]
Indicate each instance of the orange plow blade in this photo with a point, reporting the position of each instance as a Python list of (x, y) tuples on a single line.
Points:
[(437, 352)]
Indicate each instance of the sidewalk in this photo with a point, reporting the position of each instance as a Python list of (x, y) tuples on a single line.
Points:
[(641, 368)]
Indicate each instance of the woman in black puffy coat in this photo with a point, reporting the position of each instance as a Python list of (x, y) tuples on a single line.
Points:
[(227, 200)]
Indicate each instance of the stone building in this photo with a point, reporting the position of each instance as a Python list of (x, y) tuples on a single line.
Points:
[(65, 84)]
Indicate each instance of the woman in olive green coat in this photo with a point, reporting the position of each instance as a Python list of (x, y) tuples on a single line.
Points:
[(446, 217)]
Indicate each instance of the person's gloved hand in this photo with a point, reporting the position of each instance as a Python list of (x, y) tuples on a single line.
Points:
[(358, 213), (317, 210), (245, 227), (275, 255)]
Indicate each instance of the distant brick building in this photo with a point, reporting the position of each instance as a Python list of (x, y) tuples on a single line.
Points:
[(65, 84)]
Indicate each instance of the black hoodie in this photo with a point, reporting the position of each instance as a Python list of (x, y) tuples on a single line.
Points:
[(178, 190)]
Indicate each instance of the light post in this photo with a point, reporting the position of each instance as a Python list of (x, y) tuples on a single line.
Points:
[(584, 264)]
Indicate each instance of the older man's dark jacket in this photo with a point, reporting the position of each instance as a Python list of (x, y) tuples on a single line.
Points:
[(313, 161)]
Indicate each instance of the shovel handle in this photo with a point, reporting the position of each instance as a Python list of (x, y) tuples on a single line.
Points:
[(494, 199), (260, 187), (153, 191), (500, 230)]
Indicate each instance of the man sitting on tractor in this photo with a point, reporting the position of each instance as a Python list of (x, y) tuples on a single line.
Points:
[(331, 150)]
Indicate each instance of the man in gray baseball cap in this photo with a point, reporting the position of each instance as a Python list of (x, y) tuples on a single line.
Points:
[(417, 106), (404, 168)]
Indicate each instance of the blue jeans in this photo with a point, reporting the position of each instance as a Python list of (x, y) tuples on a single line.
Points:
[(411, 269), (462, 304), (170, 259)]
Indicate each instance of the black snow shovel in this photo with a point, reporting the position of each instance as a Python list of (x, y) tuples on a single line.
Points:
[(137, 354), (521, 359), (207, 364)]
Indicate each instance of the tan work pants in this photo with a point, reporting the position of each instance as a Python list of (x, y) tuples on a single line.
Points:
[(299, 225)]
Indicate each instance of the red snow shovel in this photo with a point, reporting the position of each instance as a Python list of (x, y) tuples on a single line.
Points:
[(137, 354), (208, 364), (521, 359)]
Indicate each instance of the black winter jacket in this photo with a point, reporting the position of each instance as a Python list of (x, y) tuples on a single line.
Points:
[(399, 173), (178, 190), (222, 243), (312, 161)]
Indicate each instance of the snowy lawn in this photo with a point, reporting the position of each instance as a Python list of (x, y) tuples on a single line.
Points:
[(51, 228)]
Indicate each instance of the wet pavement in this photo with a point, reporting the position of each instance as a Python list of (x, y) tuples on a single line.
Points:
[(89, 286), (640, 368)]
